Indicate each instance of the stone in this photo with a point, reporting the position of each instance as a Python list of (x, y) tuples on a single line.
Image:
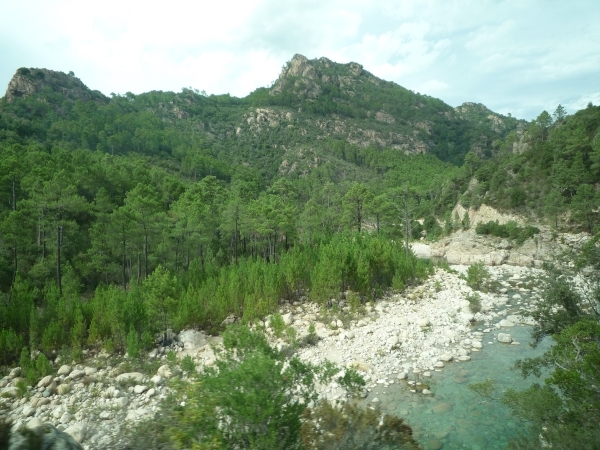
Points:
[(90, 371), (14, 373), (132, 376), (63, 389), (506, 323), (402, 376), (339, 323), (392, 341), (28, 410), (287, 319), (157, 380), (427, 392), (139, 413), (505, 338), (10, 391), (375, 400), (44, 382), (464, 358), (439, 365), (122, 402), (441, 408), (192, 339), (65, 418), (140, 389), (446, 357), (424, 322), (77, 431), (76, 374), (477, 345), (106, 415), (34, 423), (150, 392), (165, 371), (64, 370)]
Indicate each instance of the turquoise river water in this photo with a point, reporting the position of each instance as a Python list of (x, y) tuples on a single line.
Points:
[(455, 417)]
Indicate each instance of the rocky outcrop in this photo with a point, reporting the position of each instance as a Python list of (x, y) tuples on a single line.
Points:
[(467, 247), (27, 82)]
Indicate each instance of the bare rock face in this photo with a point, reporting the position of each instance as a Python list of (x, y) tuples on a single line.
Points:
[(27, 82)]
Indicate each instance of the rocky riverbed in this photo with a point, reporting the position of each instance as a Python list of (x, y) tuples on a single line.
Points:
[(417, 332)]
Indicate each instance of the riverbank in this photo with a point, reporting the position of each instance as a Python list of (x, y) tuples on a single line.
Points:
[(417, 332)]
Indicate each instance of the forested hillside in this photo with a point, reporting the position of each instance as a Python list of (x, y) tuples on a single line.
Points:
[(121, 216)]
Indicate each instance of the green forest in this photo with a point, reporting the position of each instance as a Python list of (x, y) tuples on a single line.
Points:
[(124, 216)]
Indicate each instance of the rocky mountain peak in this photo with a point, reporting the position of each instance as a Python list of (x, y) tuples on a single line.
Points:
[(29, 81), (309, 75)]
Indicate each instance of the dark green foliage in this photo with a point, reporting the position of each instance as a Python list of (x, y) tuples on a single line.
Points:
[(254, 397), (353, 427), (474, 302), (509, 230), (562, 307), (567, 408), (478, 276)]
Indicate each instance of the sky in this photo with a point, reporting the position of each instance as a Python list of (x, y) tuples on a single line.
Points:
[(514, 56)]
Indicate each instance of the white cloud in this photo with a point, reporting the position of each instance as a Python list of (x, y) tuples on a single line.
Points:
[(513, 56)]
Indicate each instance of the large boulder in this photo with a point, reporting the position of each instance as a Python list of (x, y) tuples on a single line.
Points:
[(131, 376), (505, 338), (192, 339)]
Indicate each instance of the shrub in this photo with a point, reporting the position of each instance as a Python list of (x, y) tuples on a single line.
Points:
[(188, 365), (474, 303), (478, 276)]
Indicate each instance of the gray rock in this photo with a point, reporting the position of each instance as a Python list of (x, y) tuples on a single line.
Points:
[(28, 410), (63, 389), (506, 323), (10, 391), (140, 389), (504, 338), (65, 418), (90, 371), (464, 358), (192, 339), (287, 319), (76, 374), (44, 382), (132, 376), (165, 371), (446, 357), (64, 370), (424, 322), (34, 423), (106, 415), (78, 431)]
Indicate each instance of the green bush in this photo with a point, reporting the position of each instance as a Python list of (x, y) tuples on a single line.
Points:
[(10, 346), (478, 276), (509, 230), (474, 302)]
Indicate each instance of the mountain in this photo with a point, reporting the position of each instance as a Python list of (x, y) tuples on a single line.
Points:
[(316, 111)]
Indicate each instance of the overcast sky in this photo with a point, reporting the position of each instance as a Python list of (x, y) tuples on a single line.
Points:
[(517, 56)]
